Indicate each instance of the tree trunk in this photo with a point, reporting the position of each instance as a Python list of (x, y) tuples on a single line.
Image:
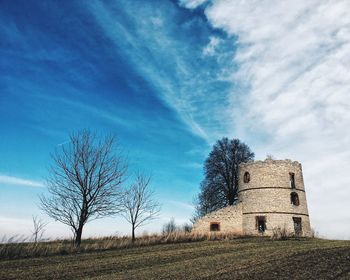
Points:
[(133, 234), (78, 235), (82, 221), (231, 197), (231, 200)]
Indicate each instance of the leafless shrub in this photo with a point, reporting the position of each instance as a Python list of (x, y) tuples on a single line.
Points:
[(186, 227), (170, 227), (314, 233), (279, 233), (38, 229)]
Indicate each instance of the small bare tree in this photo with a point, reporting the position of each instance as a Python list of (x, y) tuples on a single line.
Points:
[(138, 205), (84, 182), (38, 228)]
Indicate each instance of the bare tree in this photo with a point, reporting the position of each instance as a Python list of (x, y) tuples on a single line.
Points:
[(84, 182), (138, 205), (221, 169), (38, 228)]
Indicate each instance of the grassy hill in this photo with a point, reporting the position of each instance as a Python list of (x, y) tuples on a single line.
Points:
[(242, 258)]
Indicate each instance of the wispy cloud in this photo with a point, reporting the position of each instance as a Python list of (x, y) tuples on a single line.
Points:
[(194, 165), (176, 65), (10, 180), (181, 205), (213, 44), (191, 4)]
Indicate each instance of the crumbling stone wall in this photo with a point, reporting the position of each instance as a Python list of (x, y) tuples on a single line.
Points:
[(230, 219)]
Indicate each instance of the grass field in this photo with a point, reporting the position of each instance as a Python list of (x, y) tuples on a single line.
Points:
[(242, 258)]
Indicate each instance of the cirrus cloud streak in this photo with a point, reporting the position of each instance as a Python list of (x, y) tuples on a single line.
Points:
[(10, 180)]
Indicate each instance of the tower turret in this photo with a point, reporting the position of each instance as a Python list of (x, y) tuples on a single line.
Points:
[(273, 196)]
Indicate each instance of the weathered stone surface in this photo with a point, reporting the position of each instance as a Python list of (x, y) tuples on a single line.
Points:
[(230, 219), (268, 194)]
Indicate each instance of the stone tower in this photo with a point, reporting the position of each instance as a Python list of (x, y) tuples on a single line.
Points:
[(273, 196)]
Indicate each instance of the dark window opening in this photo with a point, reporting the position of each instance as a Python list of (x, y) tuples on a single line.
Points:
[(297, 226), (292, 180), (260, 223), (246, 177), (294, 198), (214, 226)]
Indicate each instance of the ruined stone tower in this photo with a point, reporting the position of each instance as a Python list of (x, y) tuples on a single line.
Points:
[(271, 195)]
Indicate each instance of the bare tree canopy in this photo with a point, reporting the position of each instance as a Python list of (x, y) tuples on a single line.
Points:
[(221, 170), (84, 181), (138, 204)]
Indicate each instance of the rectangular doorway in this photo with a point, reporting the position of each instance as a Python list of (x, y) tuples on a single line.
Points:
[(297, 226), (260, 223)]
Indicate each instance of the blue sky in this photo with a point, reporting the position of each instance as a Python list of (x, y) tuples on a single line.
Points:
[(169, 78), (123, 68)]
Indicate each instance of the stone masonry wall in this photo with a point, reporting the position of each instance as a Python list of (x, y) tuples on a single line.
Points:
[(230, 219), (282, 221), (268, 193), (272, 200)]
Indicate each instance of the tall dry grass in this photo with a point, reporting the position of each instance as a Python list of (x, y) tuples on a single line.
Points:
[(16, 248), (19, 247)]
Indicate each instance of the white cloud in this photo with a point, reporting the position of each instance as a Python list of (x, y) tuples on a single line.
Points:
[(209, 49), (293, 61), (181, 205), (191, 4), (10, 180)]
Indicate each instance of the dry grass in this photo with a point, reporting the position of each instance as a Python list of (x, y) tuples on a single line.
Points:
[(14, 249), (229, 258), (280, 234)]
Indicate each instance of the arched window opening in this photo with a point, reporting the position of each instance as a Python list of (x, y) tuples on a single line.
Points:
[(215, 226), (246, 177), (294, 198), (292, 180)]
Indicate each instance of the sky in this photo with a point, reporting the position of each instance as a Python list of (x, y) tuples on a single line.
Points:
[(169, 78)]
